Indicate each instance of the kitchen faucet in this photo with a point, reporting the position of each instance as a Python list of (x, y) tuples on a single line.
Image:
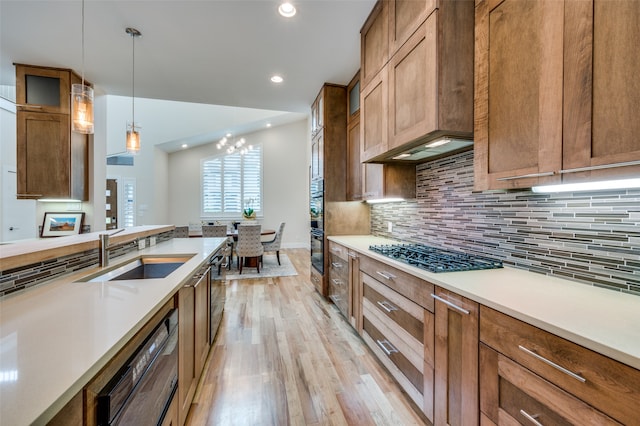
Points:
[(104, 247)]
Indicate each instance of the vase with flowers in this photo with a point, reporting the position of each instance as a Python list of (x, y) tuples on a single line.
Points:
[(248, 212)]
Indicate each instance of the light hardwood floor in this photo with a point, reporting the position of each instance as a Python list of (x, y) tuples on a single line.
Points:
[(285, 356)]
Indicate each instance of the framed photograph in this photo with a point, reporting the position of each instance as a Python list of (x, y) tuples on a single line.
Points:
[(61, 224)]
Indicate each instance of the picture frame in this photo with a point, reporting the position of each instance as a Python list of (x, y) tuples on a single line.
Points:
[(62, 224)]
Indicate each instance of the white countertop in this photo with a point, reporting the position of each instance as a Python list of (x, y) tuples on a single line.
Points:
[(602, 320), (55, 337)]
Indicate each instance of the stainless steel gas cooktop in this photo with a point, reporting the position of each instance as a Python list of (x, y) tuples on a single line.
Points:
[(435, 259)]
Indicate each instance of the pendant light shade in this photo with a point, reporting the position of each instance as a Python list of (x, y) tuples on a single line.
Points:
[(133, 139), (82, 108), (133, 133), (82, 99)]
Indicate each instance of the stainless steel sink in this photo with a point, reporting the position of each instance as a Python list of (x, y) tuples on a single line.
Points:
[(142, 268)]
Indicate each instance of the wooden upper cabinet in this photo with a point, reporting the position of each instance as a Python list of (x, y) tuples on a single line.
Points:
[(374, 99), (405, 16), (425, 90), (388, 181), (602, 90), (354, 165), (43, 89), (374, 49), (556, 92), (518, 93), (53, 161)]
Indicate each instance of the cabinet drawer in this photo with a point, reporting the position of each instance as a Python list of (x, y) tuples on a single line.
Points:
[(339, 251), (339, 283), (511, 394), (608, 385), (411, 287), (407, 315)]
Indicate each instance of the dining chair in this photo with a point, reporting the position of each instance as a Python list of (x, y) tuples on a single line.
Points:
[(249, 245), (181, 232), (274, 245), (220, 231)]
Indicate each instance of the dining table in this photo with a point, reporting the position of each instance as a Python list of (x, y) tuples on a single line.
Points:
[(233, 233)]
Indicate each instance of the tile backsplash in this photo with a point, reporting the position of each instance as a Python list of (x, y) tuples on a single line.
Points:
[(590, 237)]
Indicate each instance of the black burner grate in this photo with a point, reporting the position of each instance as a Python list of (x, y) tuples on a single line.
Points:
[(434, 259)]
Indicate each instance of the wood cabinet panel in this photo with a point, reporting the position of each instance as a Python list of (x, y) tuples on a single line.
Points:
[(456, 360), (187, 378), (602, 93), (413, 87), (608, 385), (28, 79), (410, 286), (43, 154), (518, 93), (374, 129), (511, 394), (405, 16), (388, 180), (375, 42), (201, 314), (354, 165)]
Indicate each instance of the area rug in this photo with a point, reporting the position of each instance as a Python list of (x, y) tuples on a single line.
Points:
[(269, 268)]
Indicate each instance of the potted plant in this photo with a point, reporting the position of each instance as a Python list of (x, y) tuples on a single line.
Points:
[(248, 212)]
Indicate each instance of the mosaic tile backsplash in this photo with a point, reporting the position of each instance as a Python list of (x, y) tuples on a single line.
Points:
[(590, 237)]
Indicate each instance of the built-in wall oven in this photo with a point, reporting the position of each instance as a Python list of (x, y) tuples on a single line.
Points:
[(316, 210), (142, 390)]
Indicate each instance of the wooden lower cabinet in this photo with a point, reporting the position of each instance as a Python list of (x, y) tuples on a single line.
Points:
[(456, 359), (202, 312), (512, 394), (594, 380), (316, 280), (339, 287), (401, 334), (171, 417), (187, 378)]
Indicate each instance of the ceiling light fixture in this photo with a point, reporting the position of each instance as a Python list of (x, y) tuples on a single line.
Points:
[(287, 10), (133, 134), (82, 99), (268, 124), (237, 146), (184, 146), (277, 79)]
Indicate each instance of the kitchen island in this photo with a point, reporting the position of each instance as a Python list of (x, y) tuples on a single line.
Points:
[(56, 336)]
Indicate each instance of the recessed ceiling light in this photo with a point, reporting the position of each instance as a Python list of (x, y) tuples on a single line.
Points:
[(277, 79), (228, 135), (184, 145), (287, 10), (268, 124)]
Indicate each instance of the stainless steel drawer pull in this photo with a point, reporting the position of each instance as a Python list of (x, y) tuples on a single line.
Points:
[(531, 418), (449, 304), (336, 265), (387, 347), (386, 275), (352, 255), (530, 175), (600, 167), (553, 364), (336, 250), (387, 306), (337, 281)]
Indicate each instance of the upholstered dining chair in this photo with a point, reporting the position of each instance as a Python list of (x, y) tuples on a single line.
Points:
[(220, 231), (274, 245), (249, 245), (181, 232)]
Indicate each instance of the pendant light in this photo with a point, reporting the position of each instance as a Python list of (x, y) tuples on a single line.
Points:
[(82, 99), (133, 134)]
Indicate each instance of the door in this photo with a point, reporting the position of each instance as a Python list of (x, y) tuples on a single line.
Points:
[(112, 204), (18, 216)]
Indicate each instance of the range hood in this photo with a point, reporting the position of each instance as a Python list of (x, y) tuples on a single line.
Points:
[(431, 150)]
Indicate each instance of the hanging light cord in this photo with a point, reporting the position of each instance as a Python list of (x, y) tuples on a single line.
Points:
[(83, 43), (133, 84)]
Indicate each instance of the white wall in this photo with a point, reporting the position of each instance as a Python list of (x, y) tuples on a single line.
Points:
[(285, 176)]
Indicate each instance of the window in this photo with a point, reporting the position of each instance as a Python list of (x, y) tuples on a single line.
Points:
[(231, 182)]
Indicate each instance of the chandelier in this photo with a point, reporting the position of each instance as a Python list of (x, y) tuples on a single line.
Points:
[(237, 146)]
